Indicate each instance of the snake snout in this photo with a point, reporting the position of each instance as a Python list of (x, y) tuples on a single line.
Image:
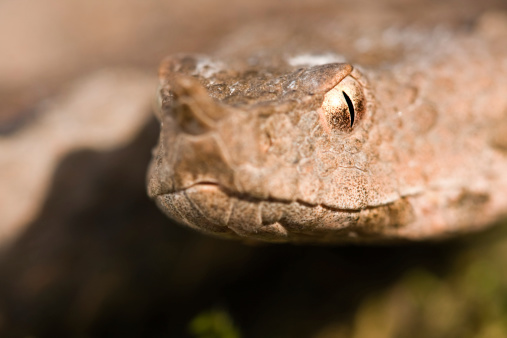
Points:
[(194, 110)]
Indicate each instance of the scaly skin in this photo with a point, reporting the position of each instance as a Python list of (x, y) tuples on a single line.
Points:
[(261, 144)]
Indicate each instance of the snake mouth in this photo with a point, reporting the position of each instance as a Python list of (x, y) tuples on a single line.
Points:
[(208, 186), (209, 208)]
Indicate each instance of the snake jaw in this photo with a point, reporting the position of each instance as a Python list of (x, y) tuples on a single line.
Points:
[(208, 208)]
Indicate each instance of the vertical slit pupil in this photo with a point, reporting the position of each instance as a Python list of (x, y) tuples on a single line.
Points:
[(351, 108)]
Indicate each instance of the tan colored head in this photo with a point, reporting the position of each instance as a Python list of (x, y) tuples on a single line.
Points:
[(250, 151)]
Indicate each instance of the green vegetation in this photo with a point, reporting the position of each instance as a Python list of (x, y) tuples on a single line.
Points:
[(469, 300), (213, 324)]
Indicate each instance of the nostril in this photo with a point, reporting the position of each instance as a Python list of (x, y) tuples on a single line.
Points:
[(192, 107), (190, 122)]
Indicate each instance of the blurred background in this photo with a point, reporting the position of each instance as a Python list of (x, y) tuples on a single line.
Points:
[(96, 258)]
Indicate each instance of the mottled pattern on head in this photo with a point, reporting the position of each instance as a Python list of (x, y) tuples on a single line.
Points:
[(303, 148)]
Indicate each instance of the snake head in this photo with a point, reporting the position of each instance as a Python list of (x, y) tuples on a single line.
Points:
[(237, 141)]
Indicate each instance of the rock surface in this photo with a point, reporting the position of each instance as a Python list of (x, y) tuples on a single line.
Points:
[(100, 112)]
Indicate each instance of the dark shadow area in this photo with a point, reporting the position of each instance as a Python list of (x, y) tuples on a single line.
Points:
[(102, 261)]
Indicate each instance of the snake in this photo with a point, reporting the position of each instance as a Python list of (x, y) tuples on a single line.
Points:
[(321, 136)]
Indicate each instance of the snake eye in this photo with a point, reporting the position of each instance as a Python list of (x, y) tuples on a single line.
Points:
[(344, 105)]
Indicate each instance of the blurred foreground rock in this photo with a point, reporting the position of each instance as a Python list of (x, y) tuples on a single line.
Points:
[(102, 111)]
